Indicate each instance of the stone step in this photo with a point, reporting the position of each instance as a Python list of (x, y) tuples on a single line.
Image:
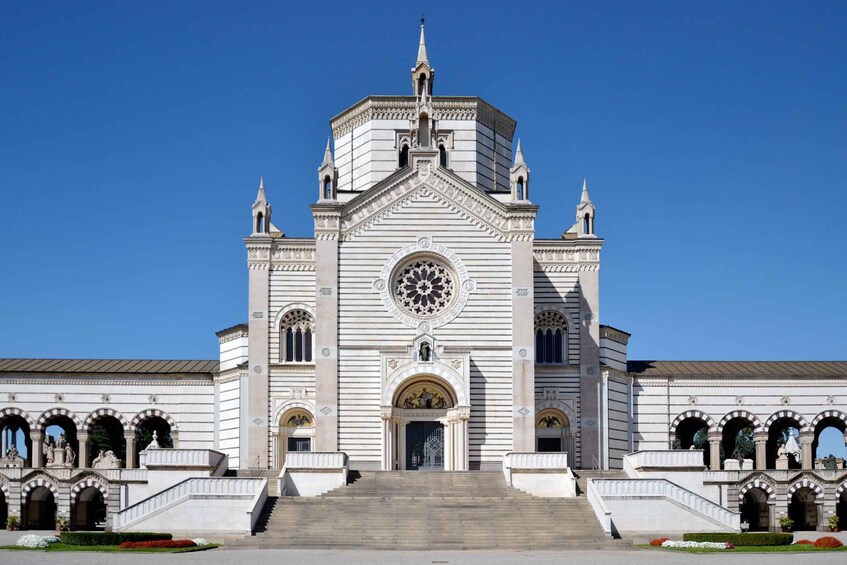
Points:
[(423, 511)]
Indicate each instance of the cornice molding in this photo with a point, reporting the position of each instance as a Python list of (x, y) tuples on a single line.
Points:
[(567, 256), (293, 255), (754, 381), (97, 381), (404, 108)]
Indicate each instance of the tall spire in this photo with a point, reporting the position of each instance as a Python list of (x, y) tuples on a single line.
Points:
[(519, 155), (584, 197), (422, 56)]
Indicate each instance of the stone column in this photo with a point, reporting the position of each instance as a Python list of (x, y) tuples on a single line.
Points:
[(82, 456), (822, 526), (130, 462), (387, 439), (761, 439), (37, 437), (523, 345), (4, 447), (254, 408), (806, 438), (327, 217), (715, 451), (772, 524)]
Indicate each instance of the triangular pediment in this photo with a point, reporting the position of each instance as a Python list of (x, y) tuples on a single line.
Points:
[(425, 178)]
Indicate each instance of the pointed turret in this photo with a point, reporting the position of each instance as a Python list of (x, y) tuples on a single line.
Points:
[(261, 211), (519, 177), (327, 175), (585, 213)]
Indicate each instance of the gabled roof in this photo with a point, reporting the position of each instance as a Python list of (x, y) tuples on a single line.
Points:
[(109, 366), (788, 369)]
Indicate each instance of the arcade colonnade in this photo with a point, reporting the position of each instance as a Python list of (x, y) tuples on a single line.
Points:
[(78, 431), (722, 432)]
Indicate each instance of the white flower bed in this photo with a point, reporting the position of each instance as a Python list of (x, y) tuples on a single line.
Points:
[(695, 544), (32, 541), (201, 542)]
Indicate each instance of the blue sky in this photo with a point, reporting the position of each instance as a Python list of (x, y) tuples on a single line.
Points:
[(712, 135)]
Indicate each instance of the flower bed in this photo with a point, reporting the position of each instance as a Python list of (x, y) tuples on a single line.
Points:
[(170, 544), (201, 542), (34, 541), (804, 542), (697, 544), (828, 542), (658, 542)]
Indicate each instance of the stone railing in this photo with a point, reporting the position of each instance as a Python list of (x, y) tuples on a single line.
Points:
[(207, 487), (315, 460), (540, 474), (686, 458), (312, 473), (779, 475), (604, 516), (662, 488), (181, 458)]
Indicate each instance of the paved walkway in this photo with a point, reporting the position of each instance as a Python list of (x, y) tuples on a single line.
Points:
[(226, 556)]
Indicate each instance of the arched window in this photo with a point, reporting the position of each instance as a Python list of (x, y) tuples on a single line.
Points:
[(421, 84), (520, 189), (296, 330), (404, 156), (587, 224), (551, 333), (260, 223), (442, 156), (327, 188)]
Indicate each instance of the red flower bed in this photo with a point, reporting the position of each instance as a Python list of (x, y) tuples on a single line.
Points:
[(169, 543), (658, 541), (804, 542), (828, 541)]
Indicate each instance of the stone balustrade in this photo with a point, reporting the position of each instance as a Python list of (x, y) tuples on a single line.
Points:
[(181, 458), (207, 488), (540, 474), (683, 458), (662, 488), (315, 460), (312, 473)]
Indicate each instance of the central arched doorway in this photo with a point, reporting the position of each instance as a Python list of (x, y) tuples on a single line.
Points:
[(425, 428), (40, 510)]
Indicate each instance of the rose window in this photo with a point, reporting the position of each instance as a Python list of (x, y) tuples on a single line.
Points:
[(424, 288)]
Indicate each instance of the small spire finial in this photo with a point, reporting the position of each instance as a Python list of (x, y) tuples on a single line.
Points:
[(327, 153), (584, 197), (519, 155), (260, 196)]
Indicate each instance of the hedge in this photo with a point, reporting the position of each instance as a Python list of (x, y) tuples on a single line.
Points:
[(110, 538), (742, 540)]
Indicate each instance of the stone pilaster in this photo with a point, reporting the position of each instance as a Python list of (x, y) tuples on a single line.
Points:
[(37, 437), (591, 397), (761, 441), (715, 451), (254, 408), (84, 444), (131, 462), (808, 455), (523, 344), (327, 217)]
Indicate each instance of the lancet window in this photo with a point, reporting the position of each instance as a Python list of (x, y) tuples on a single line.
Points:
[(551, 338), (297, 337)]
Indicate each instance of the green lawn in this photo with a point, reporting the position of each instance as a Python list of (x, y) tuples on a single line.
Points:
[(749, 549), (54, 547)]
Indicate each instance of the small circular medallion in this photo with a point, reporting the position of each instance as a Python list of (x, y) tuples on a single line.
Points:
[(522, 352), (325, 351), (257, 369)]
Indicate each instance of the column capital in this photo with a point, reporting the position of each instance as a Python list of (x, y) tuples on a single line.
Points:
[(36, 434)]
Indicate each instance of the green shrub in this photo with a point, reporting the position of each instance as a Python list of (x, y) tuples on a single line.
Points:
[(110, 538), (742, 540)]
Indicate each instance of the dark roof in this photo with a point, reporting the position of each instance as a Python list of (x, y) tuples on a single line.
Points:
[(111, 366), (231, 329), (834, 369)]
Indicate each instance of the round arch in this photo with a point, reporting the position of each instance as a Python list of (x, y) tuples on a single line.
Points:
[(570, 321), (786, 415), (557, 405), (837, 414), (759, 484), (154, 413), (39, 481), (290, 405), (805, 483), (12, 411), (4, 487), (90, 481), (436, 371), (299, 437), (293, 306), (697, 414), (47, 415), (744, 415), (101, 412), (841, 488)]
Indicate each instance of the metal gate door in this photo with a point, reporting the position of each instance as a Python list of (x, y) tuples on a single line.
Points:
[(425, 446)]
